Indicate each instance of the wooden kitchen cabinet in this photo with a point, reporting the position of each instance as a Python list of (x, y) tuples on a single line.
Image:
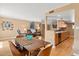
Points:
[(61, 37), (56, 39), (64, 36)]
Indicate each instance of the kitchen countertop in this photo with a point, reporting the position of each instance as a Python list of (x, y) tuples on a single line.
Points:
[(59, 31)]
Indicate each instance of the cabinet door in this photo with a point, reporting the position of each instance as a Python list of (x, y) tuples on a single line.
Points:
[(56, 39), (63, 36)]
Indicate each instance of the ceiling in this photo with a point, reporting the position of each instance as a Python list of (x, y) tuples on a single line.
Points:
[(27, 11)]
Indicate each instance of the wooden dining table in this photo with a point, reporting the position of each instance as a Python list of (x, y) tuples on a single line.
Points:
[(31, 45)]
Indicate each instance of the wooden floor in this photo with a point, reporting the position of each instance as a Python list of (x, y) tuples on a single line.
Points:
[(63, 49)]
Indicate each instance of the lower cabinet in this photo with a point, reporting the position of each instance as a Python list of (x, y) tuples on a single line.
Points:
[(56, 39), (60, 37)]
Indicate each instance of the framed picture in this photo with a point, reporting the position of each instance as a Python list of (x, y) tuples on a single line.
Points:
[(7, 25)]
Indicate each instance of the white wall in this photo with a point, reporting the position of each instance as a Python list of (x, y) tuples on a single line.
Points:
[(50, 37)]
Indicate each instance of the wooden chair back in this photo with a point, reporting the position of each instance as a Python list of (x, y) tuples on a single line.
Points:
[(45, 51), (14, 50)]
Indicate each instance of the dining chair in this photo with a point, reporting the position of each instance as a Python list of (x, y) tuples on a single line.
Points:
[(15, 51), (35, 52), (19, 36), (45, 51)]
